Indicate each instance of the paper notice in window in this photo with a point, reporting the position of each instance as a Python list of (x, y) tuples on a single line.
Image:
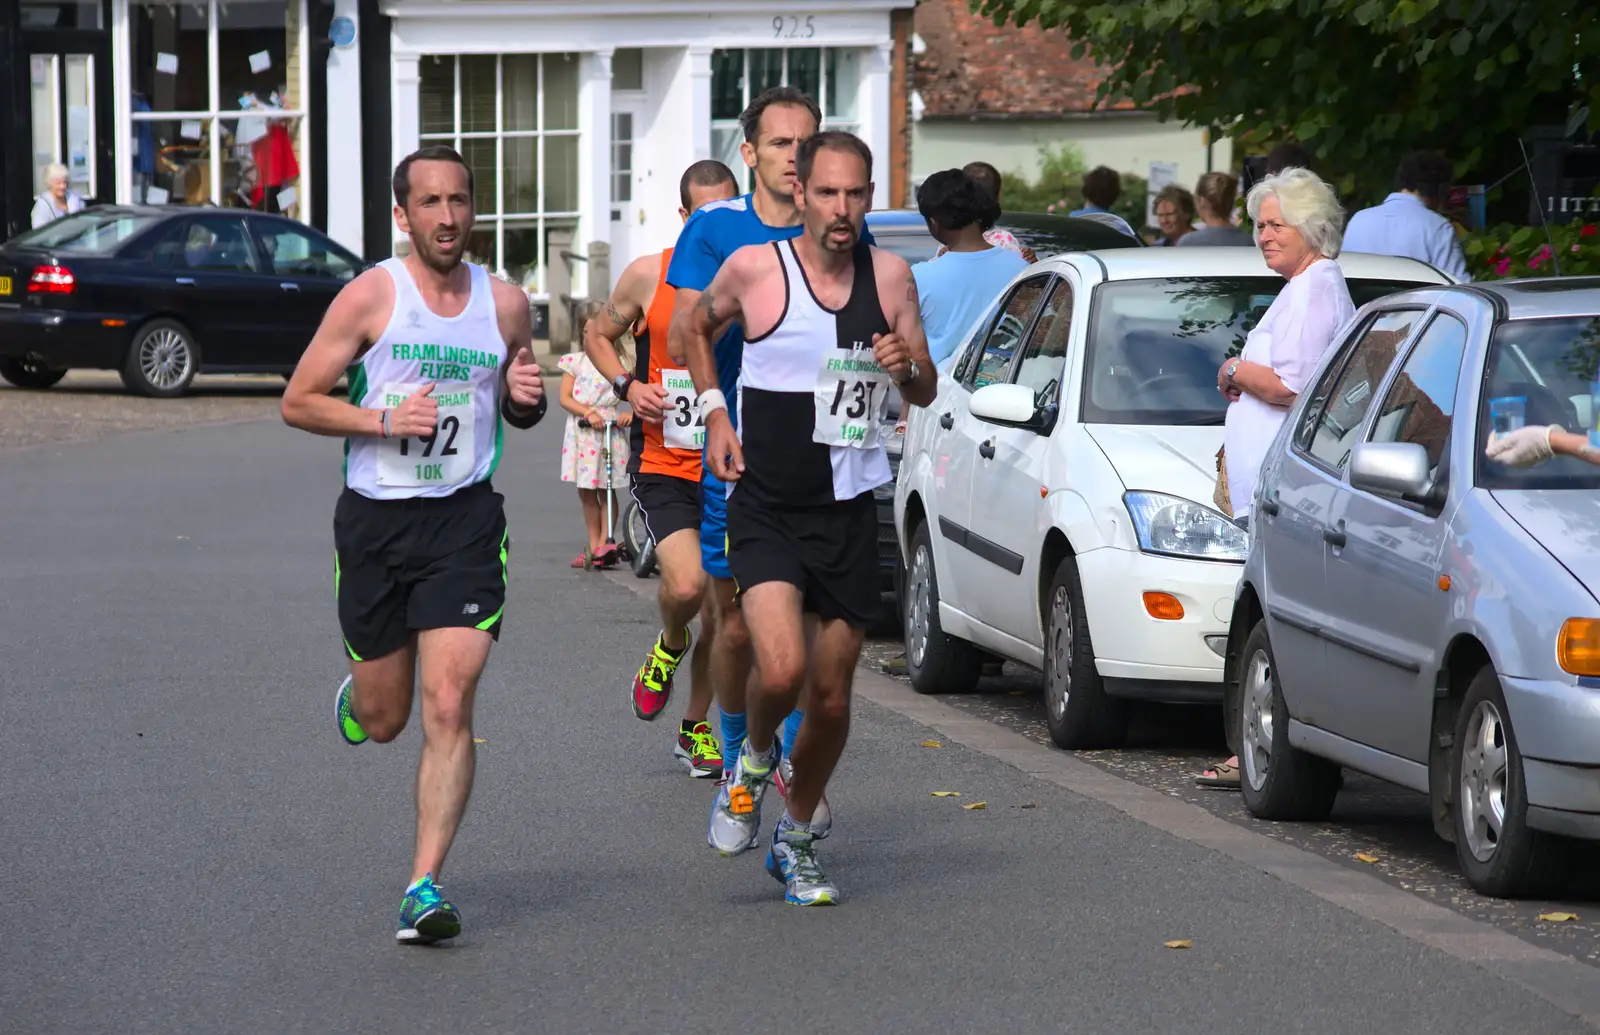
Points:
[(167, 64), (155, 196), (189, 129), (287, 197), (260, 62)]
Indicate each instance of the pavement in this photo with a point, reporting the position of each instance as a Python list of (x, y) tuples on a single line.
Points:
[(190, 847)]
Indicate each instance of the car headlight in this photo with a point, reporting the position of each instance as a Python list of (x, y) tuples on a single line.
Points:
[(1182, 528)]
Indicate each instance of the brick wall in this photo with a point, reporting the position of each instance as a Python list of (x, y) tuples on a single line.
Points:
[(972, 69)]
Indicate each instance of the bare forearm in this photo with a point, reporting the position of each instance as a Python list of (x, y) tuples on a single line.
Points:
[(325, 415), (1264, 383), (1574, 445), (602, 351)]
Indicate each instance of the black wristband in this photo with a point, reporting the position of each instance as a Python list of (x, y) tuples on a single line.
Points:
[(524, 420)]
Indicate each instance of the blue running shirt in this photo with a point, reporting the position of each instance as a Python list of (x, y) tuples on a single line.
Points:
[(712, 234)]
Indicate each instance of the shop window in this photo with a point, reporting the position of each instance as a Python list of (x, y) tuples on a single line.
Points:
[(230, 131), (514, 118), (627, 69), (56, 14), (832, 76)]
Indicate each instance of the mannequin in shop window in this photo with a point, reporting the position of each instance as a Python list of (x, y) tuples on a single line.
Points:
[(57, 200)]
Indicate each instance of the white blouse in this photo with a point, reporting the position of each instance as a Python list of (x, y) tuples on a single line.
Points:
[(1297, 329)]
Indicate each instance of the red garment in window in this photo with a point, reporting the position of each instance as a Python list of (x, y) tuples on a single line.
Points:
[(275, 162)]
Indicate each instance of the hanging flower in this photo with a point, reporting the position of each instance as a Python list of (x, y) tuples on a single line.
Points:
[(1502, 267), (1588, 230)]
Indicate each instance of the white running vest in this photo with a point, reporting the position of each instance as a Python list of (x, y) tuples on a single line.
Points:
[(461, 357)]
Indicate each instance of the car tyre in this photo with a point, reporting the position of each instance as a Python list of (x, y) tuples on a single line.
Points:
[(1278, 780), (936, 662), (162, 360), (25, 373), (1498, 852), (1078, 711)]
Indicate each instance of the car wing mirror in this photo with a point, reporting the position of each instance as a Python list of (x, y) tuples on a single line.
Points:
[(1008, 404), (1397, 469)]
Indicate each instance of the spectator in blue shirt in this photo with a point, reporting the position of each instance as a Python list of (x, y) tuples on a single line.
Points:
[(962, 284), (1406, 223), (1101, 189)]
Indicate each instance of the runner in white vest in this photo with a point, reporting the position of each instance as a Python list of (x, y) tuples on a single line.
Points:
[(419, 533)]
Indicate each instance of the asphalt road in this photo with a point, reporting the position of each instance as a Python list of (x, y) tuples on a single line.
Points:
[(188, 846)]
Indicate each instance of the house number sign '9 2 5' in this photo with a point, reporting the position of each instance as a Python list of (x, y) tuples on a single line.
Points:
[(793, 27)]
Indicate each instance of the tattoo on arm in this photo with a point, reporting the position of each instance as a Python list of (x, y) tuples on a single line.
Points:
[(708, 303), (911, 290), (616, 316)]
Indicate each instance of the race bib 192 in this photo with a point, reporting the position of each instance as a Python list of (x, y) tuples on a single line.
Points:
[(447, 457), (852, 390), (682, 427)]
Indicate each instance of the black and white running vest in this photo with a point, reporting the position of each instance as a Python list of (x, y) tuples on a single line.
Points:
[(812, 397)]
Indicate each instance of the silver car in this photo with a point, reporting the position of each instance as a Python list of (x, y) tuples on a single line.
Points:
[(1415, 611)]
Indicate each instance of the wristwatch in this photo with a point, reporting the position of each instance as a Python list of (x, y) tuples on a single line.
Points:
[(1232, 368), (915, 373), (621, 385)]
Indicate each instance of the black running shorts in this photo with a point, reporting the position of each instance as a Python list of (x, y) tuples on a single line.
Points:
[(669, 504), (401, 566), (830, 552)]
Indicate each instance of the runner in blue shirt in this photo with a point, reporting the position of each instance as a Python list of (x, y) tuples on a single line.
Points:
[(774, 125)]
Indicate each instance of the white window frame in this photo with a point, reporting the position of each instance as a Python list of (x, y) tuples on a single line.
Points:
[(500, 135), (732, 125), (216, 114)]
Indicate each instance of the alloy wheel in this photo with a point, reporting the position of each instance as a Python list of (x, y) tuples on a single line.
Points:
[(1483, 781), (1060, 649), (920, 599), (164, 358), (1257, 698)]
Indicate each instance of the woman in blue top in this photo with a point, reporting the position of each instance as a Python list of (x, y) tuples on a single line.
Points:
[(961, 284)]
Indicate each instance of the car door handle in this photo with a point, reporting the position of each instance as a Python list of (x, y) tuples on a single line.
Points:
[(1269, 506), (289, 285), (186, 281), (986, 449), (947, 421), (1335, 537)]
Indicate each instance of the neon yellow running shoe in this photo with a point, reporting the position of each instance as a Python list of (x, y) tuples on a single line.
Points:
[(652, 687)]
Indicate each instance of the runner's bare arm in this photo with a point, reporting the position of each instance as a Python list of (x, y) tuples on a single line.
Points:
[(716, 306), (352, 323), (522, 400), (897, 289), (684, 301), (628, 302)]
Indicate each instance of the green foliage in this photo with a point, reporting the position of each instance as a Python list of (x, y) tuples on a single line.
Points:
[(1523, 251), (1359, 82), (1059, 186)]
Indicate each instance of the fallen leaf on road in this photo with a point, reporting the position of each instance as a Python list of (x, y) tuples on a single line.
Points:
[(932, 744), (1027, 805), (1559, 918), (1366, 857), (976, 805), (479, 740), (947, 794), (1180, 943)]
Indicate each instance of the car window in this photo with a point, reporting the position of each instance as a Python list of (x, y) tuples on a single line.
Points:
[(1042, 360), (217, 245), (1541, 372), (1422, 398), (95, 231), (292, 251), (1006, 334), (1341, 412)]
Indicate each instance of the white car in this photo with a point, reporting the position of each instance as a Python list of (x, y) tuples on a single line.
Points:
[(1053, 505)]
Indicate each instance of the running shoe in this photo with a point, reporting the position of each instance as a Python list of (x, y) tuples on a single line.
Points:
[(821, 817), (792, 861), (652, 687), (349, 728), (736, 812), (425, 916), (698, 751)]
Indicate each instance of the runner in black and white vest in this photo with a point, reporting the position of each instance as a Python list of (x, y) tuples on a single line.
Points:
[(830, 324), (419, 533)]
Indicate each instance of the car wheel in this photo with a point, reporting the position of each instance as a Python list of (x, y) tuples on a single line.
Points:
[(1278, 780), (1499, 854), (162, 361), (25, 373), (1077, 710), (636, 540), (937, 663)]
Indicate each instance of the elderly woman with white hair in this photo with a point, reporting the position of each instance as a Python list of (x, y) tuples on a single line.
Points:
[(57, 200), (1299, 227)]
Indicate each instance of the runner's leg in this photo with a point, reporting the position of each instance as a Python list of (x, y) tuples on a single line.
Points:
[(683, 584), (834, 653), (701, 692), (452, 661), (730, 668), (778, 644), (380, 697)]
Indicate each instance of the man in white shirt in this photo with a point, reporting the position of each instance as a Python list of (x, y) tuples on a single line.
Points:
[(1406, 223), (57, 200)]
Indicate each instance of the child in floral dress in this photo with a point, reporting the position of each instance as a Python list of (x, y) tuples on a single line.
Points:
[(588, 400)]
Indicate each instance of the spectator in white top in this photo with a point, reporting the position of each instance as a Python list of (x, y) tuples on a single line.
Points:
[(1407, 224), (57, 200), (1298, 222)]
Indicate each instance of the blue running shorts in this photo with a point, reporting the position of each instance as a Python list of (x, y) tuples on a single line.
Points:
[(714, 526)]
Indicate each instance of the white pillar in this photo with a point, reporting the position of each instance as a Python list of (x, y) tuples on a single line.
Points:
[(874, 101), (594, 159), (341, 140), (699, 126), (405, 119)]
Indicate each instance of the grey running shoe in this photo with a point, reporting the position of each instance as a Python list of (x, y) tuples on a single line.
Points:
[(793, 861), (822, 816), (736, 812)]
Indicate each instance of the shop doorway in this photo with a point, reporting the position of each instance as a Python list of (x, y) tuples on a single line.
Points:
[(69, 105)]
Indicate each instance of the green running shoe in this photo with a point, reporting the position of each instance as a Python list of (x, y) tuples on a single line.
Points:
[(349, 728), (425, 917)]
